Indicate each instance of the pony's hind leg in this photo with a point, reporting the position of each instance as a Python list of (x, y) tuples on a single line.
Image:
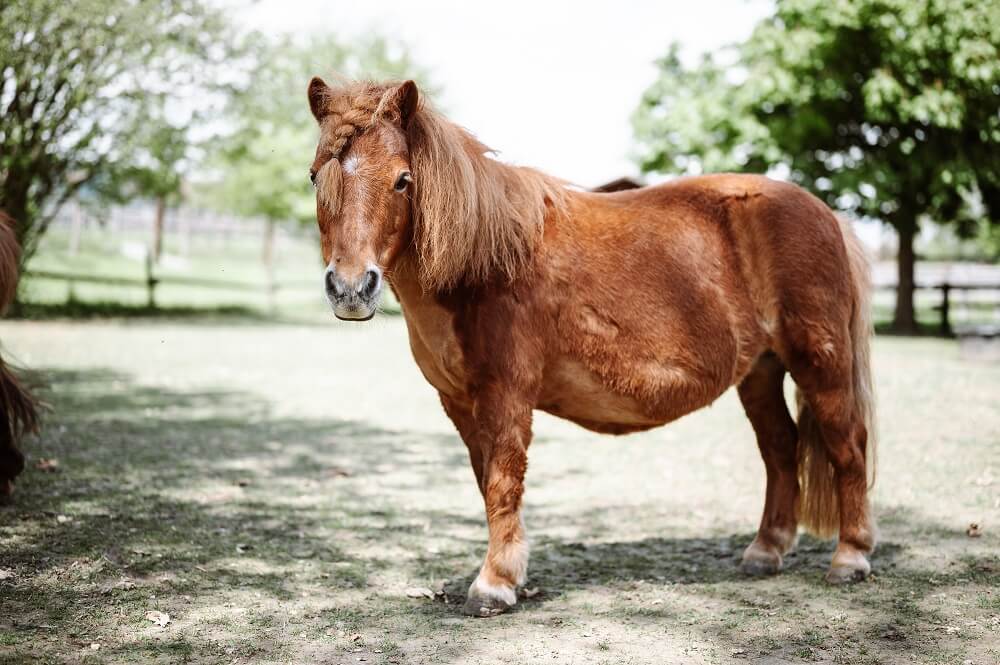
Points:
[(834, 467), (835, 406), (764, 403)]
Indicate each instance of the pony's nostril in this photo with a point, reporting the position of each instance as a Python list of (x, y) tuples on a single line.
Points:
[(369, 284), (333, 287)]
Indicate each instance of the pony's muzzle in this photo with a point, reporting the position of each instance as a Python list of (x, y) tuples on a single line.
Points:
[(353, 299)]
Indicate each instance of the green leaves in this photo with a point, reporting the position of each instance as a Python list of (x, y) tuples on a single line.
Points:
[(888, 108), (85, 93), (261, 168)]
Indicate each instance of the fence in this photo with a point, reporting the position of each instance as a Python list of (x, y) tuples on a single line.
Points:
[(270, 288), (945, 303), (150, 281)]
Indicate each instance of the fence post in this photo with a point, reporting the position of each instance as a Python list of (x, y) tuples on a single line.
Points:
[(150, 282), (945, 306), (272, 289)]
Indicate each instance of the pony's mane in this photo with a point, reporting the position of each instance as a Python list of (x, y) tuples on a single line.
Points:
[(475, 219)]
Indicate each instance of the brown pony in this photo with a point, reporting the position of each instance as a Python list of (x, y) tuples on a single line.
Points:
[(620, 312), (18, 409)]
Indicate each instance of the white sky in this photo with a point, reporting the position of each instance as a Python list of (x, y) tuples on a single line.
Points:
[(550, 84)]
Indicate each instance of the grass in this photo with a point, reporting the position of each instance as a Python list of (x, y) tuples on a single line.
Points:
[(233, 263), (275, 489)]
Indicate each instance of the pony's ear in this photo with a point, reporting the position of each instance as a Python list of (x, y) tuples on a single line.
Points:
[(402, 100), (319, 95)]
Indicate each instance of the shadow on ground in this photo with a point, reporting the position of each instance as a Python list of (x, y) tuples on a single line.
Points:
[(194, 501)]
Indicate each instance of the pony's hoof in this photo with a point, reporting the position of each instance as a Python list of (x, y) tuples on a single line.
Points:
[(487, 600), (759, 561), (483, 606), (849, 565), (760, 567), (846, 574)]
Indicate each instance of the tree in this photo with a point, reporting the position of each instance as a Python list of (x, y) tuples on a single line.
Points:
[(261, 170), (84, 87), (888, 109)]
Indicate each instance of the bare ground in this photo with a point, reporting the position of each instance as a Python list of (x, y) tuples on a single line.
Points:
[(275, 490)]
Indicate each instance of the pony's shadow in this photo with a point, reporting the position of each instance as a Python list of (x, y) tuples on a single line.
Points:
[(559, 567)]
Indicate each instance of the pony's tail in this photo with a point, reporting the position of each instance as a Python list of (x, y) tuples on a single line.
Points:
[(10, 256), (18, 408), (818, 509), (18, 416)]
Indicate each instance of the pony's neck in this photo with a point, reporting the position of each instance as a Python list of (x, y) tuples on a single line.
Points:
[(404, 278)]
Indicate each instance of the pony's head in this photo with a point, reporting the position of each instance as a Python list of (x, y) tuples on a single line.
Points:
[(391, 173), (363, 188)]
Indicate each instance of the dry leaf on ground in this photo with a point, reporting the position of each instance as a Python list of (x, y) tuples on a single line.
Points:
[(124, 584), (419, 592), (48, 464), (161, 619)]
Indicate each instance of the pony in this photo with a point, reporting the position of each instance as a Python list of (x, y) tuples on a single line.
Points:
[(617, 311), (18, 408)]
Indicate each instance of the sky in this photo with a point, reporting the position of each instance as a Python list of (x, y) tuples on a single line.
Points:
[(549, 84)]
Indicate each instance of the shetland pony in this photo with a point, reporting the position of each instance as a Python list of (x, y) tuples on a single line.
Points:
[(619, 312), (18, 409)]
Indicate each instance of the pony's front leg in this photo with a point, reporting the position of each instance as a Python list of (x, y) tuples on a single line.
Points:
[(504, 432)]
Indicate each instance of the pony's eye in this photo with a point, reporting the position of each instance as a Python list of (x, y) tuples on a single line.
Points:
[(402, 181), (312, 177)]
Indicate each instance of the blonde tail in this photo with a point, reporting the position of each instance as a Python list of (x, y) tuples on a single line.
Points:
[(818, 510)]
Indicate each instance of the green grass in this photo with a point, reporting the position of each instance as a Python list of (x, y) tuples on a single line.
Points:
[(276, 488), (233, 263)]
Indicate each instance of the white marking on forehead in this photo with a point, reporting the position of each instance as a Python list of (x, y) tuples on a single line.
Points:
[(351, 165)]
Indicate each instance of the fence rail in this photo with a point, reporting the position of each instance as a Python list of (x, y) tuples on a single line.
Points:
[(150, 281), (944, 305)]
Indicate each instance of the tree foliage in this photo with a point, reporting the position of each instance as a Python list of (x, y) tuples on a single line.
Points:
[(262, 168), (88, 88), (885, 108)]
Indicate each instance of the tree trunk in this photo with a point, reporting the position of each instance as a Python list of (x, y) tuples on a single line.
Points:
[(161, 209), (268, 258), (904, 320), (267, 255), (76, 230)]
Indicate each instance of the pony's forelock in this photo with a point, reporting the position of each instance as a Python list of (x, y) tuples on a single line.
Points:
[(329, 185)]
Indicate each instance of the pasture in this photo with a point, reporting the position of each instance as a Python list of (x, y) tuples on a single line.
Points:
[(276, 493)]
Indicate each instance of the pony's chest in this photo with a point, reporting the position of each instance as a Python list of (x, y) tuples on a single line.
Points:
[(435, 347)]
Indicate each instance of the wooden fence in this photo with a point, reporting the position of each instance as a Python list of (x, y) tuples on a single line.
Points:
[(270, 287), (945, 302), (150, 281)]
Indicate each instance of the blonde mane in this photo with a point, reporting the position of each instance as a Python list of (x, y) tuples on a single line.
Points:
[(475, 219)]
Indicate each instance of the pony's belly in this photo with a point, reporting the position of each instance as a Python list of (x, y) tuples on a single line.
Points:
[(572, 391)]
